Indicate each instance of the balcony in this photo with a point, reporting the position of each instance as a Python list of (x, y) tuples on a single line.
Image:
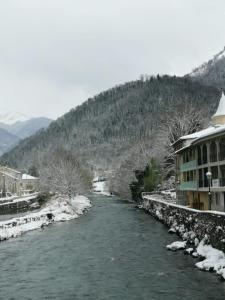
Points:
[(188, 186), (216, 183), (191, 165), (221, 155), (203, 183), (213, 158)]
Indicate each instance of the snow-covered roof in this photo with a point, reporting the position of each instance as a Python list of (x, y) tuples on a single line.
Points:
[(197, 136), (204, 133), (221, 108), (26, 176)]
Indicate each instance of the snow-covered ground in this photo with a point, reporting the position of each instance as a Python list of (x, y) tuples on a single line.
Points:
[(58, 209), (212, 258), (18, 199), (100, 187), (170, 193)]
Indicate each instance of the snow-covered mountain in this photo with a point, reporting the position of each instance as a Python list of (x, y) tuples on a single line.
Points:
[(11, 117), (211, 72), (15, 126), (26, 128)]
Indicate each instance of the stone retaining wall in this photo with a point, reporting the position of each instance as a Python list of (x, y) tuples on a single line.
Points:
[(188, 223)]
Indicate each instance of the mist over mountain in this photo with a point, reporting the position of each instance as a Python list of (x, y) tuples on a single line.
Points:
[(7, 140), (212, 72), (26, 128), (15, 127), (11, 117), (104, 127)]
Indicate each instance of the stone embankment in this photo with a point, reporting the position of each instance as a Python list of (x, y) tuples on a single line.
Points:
[(189, 224), (12, 205)]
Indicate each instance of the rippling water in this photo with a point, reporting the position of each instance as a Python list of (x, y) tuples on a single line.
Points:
[(112, 252)]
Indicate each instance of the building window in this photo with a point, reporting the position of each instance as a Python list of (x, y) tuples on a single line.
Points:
[(199, 156), (222, 172), (214, 171), (222, 149), (213, 152), (204, 154), (201, 177)]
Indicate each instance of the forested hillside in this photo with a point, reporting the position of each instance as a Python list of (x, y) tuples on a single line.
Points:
[(106, 126)]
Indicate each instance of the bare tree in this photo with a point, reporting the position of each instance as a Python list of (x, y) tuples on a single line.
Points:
[(181, 123), (64, 173)]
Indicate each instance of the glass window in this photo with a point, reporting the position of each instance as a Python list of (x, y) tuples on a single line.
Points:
[(213, 152), (199, 156), (214, 171), (222, 149), (204, 154)]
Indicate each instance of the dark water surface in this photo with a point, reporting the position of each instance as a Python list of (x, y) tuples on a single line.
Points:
[(112, 252)]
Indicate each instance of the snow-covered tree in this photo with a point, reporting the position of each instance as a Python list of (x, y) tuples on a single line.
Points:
[(65, 173)]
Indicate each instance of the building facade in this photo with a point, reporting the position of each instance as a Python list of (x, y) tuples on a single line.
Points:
[(197, 154), (13, 182)]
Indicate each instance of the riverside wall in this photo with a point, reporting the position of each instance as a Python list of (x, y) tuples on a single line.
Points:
[(22, 204), (189, 224)]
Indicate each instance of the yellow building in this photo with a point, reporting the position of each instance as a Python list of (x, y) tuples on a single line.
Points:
[(197, 154)]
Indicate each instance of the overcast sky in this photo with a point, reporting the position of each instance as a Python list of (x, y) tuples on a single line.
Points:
[(54, 54)]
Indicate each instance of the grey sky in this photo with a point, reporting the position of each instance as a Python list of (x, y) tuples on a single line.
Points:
[(54, 54)]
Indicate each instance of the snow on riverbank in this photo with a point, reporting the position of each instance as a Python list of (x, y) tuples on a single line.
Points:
[(214, 259), (100, 187), (58, 209), (176, 246)]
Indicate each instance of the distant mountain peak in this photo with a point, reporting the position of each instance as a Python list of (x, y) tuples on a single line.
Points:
[(11, 117), (212, 72), (204, 69)]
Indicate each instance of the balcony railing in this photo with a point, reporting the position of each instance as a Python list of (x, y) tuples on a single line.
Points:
[(203, 183), (191, 165), (221, 156), (220, 182), (188, 185), (213, 157)]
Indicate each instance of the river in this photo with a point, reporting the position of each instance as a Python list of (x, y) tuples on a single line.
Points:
[(114, 251)]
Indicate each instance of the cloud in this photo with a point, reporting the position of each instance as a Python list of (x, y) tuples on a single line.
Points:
[(54, 54)]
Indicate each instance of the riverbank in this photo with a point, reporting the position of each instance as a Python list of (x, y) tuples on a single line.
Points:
[(58, 209), (203, 232)]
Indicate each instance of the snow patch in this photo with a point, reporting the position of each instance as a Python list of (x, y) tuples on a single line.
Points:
[(179, 245), (100, 187), (214, 259), (58, 209)]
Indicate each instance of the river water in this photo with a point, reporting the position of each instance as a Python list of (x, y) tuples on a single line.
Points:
[(114, 251)]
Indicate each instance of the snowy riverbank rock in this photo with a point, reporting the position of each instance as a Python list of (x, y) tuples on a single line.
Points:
[(58, 209), (214, 259), (179, 245)]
